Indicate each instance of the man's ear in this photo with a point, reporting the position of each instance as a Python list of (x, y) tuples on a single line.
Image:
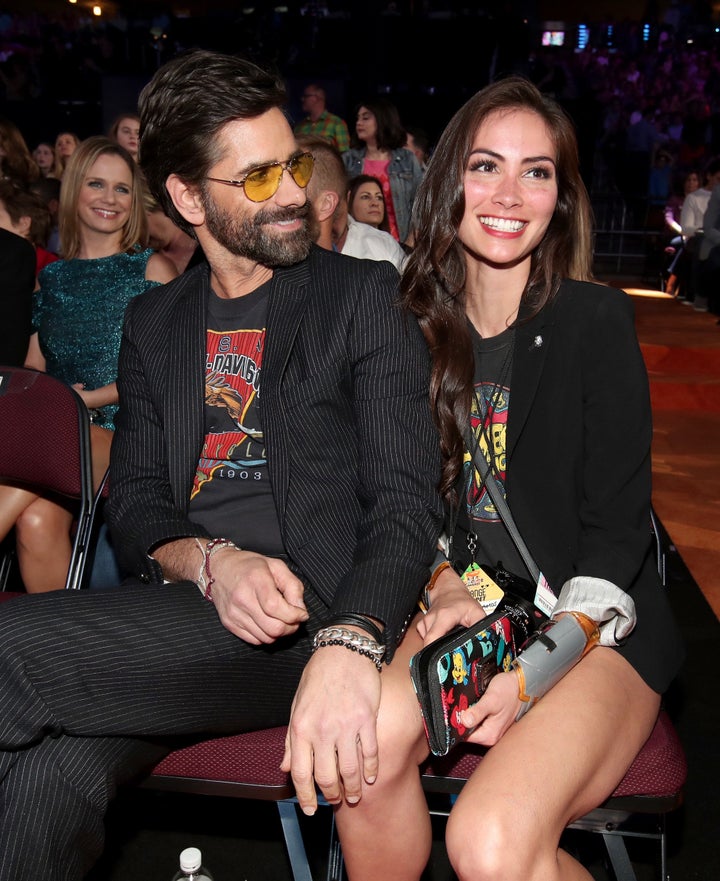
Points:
[(186, 199), (325, 204)]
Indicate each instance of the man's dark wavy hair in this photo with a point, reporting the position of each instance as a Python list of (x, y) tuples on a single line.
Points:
[(183, 108)]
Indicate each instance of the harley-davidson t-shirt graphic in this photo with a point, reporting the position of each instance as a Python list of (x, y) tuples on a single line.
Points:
[(231, 494)]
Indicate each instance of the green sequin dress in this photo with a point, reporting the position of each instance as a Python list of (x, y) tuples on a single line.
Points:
[(78, 314)]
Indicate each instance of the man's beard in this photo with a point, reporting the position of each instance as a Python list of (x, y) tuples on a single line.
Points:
[(250, 237)]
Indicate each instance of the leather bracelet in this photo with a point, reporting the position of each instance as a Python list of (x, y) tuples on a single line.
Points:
[(436, 573), (355, 620), (205, 579), (364, 646)]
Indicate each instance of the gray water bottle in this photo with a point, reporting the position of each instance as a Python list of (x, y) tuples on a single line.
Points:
[(191, 868)]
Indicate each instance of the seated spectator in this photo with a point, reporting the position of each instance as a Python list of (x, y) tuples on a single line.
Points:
[(168, 239), (691, 221), (126, 132), (44, 156), (17, 280), (679, 267), (419, 144), (16, 163), (24, 213), (319, 121), (366, 202), (65, 145), (48, 188), (378, 148), (336, 228), (77, 322)]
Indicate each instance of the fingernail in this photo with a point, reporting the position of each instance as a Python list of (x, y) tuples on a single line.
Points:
[(353, 799), (309, 812)]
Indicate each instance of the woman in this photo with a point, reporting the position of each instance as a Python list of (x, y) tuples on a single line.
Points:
[(24, 213), (545, 368), (44, 156), (16, 163), (366, 202), (77, 316), (378, 149), (126, 132), (65, 145), (679, 268)]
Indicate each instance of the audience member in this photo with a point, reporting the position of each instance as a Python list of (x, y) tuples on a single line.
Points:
[(337, 229), (708, 269), (77, 322), (168, 239), (337, 524), (24, 213), (65, 145), (366, 201), (319, 121), (48, 188), (16, 163), (691, 221), (17, 281), (378, 148), (44, 156), (679, 268), (529, 357), (418, 143), (126, 132)]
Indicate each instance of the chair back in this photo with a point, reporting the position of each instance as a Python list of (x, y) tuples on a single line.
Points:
[(45, 446)]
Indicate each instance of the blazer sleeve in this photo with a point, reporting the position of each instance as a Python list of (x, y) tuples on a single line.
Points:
[(617, 431), (399, 463), (142, 510)]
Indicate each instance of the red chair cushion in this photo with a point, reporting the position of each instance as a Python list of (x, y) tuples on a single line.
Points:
[(251, 758)]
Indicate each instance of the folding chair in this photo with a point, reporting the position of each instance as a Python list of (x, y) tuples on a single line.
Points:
[(248, 766), (45, 446), (651, 789)]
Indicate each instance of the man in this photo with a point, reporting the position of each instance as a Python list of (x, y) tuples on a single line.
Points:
[(692, 220), (273, 399), (17, 281), (336, 229), (319, 121)]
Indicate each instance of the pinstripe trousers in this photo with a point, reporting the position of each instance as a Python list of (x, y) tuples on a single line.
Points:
[(94, 687)]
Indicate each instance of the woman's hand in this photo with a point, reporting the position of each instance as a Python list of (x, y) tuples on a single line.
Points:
[(451, 606), (496, 710), (96, 398)]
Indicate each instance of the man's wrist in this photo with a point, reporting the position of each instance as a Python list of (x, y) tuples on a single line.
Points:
[(205, 579)]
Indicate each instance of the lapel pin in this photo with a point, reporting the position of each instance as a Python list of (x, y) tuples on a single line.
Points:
[(537, 342)]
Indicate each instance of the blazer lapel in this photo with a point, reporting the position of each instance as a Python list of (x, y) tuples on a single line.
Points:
[(288, 300), (532, 339), (185, 382)]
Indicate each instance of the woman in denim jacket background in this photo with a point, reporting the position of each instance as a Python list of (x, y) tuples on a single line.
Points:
[(378, 149)]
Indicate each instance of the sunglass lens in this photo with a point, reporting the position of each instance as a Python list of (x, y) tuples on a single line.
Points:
[(302, 169), (263, 182)]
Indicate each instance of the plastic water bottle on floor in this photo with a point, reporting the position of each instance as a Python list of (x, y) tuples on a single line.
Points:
[(191, 868)]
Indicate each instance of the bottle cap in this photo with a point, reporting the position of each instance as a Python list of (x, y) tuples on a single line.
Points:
[(190, 859)]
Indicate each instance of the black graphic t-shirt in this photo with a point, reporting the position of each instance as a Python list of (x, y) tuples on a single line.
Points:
[(488, 418), (231, 495)]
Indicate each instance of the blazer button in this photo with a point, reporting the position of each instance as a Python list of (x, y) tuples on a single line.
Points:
[(145, 578)]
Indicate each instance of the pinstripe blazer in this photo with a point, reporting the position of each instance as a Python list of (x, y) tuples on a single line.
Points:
[(352, 453)]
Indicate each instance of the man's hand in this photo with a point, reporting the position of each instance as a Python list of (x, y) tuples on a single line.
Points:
[(332, 738), (257, 598)]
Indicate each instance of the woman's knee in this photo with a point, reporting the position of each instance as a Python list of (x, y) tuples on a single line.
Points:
[(484, 844), (42, 522)]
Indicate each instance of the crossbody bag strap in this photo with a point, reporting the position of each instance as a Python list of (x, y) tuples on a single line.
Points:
[(501, 506)]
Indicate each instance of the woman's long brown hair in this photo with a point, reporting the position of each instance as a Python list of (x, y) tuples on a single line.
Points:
[(433, 283)]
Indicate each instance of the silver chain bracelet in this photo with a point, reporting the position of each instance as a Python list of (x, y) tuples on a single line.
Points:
[(356, 642)]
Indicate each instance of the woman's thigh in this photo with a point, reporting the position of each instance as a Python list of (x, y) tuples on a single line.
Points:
[(567, 755)]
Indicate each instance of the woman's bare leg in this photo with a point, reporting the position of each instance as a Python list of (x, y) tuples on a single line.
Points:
[(43, 528), (565, 757), (388, 834), (43, 545), (13, 502)]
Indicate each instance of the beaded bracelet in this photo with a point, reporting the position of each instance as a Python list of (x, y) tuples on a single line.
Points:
[(205, 579), (364, 646)]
